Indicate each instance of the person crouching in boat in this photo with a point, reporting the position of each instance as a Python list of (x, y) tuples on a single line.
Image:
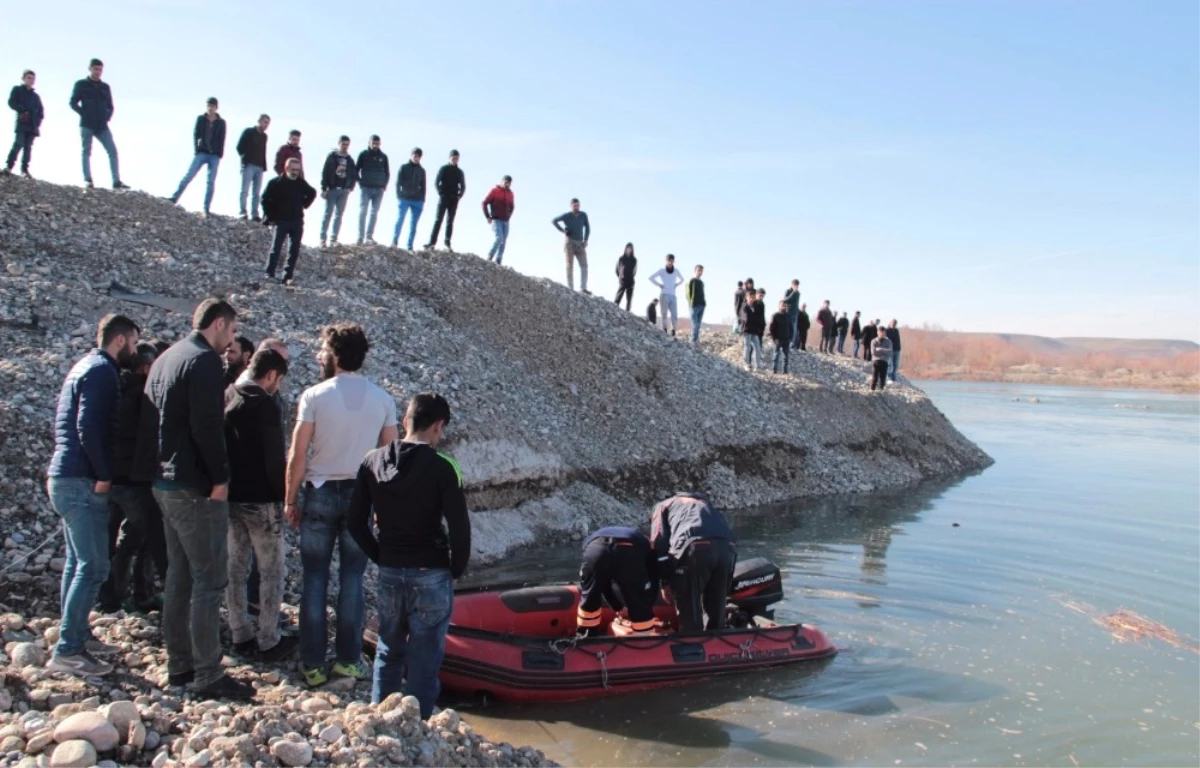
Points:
[(618, 565), (696, 552)]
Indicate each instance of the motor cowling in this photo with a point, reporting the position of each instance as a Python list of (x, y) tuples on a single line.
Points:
[(757, 585)]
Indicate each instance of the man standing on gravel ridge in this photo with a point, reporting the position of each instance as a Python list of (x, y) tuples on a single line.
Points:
[(668, 280), (792, 297), (803, 323), (284, 202), (451, 185), (28, 105), (575, 225), (289, 151), (338, 421), (410, 188), (374, 175), (826, 320), (183, 415), (881, 353), (498, 208), (208, 140), (252, 148), (893, 334), (337, 182), (92, 101), (696, 301), (78, 482)]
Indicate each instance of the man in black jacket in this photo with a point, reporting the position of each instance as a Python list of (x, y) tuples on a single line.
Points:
[(284, 202), (803, 323), (257, 460), (843, 327), (252, 148), (856, 333), (373, 178), (337, 182), (183, 415), (696, 555), (753, 325), (92, 100), (410, 188), (781, 333), (208, 141), (451, 185), (626, 271), (652, 312), (28, 105), (424, 543), (828, 323), (868, 334), (893, 334)]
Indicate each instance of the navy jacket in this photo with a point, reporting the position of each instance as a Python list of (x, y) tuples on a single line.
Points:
[(682, 519), (373, 169), (639, 542), (209, 146), (85, 425), (92, 100), (893, 335), (410, 182), (28, 106)]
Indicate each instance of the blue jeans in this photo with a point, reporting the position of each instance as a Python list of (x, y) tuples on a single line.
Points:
[(106, 140), (335, 206), (781, 353), (841, 344), (85, 517), (405, 206), (753, 345), (414, 612), (199, 161), (697, 320), (501, 230), (252, 180), (322, 526), (857, 343), (370, 197), (794, 322), (895, 364)]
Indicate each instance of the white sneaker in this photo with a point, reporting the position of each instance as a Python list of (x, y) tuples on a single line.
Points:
[(81, 664)]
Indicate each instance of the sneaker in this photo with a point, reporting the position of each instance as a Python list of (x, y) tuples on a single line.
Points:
[(370, 241), (428, 246), (395, 243), (357, 670), (586, 292), (227, 688), (81, 664), (98, 648), (120, 185), (243, 216), (290, 282), (256, 218), (314, 677), (324, 244), (282, 650), (180, 679), (449, 249), (359, 241), (27, 175), (88, 183), (246, 648)]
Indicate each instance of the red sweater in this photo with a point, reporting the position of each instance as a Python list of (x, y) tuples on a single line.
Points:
[(501, 202)]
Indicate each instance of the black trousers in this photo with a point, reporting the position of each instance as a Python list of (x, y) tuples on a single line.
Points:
[(136, 541), (700, 584), (283, 231), (879, 374), (447, 207), (23, 141), (801, 340), (626, 290), (614, 570)]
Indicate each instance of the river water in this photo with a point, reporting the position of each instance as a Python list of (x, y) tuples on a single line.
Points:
[(968, 644)]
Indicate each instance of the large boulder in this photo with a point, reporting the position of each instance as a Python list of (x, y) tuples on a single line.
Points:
[(92, 727)]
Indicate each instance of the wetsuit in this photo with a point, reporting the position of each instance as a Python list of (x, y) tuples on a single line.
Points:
[(618, 566), (696, 555)]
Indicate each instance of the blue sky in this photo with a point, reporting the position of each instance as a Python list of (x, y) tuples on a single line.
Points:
[(985, 166)]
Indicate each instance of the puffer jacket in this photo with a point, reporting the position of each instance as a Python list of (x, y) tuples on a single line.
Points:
[(86, 421)]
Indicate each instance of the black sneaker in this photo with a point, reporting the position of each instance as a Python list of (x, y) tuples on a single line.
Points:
[(256, 218), (6, 172), (121, 185), (281, 651), (180, 679), (227, 688)]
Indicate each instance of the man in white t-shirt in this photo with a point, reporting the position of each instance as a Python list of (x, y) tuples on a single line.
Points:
[(668, 279), (337, 423)]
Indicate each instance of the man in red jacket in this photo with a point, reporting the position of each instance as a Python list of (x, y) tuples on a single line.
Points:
[(287, 152), (497, 209)]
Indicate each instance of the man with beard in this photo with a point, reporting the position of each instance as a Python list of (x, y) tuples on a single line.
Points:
[(79, 479), (828, 322), (803, 323), (283, 204), (237, 357), (337, 423), (668, 280)]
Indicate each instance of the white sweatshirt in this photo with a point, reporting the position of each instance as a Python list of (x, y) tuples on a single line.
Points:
[(667, 281)]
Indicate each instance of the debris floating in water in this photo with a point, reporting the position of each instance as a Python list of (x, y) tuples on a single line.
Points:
[(1128, 626)]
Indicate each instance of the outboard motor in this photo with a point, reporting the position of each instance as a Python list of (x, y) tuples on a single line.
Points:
[(757, 585)]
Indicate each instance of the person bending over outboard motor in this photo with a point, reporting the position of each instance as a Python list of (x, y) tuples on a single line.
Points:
[(696, 553)]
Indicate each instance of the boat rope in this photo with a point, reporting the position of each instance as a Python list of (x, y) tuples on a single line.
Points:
[(600, 657)]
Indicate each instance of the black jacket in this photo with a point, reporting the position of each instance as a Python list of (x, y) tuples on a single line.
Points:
[(856, 330), (682, 519), (373, 169), (339, 172), (652, 313), (203, 143), (754, 318), (252, 147), (626, 268), (254, 440), (739, 301), (842, 326), (869, 332), (183, 414), (894, 335), (410, 182), (28, 106), (826, 320), (125, 446), (451, 183), (781, 329), (802, 322), (92, 100), (285, 199), (412, 489)]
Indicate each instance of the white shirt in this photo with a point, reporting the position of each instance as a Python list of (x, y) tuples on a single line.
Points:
[(347, 413), (667, 281)]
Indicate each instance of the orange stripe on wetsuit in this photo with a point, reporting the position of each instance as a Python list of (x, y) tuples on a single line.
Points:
[(587, 618)]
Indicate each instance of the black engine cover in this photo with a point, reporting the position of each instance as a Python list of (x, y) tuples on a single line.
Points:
[(757, 585)]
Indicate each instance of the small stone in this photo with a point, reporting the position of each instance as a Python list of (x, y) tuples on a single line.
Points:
[(39, 741), (292, 753), (161, 759), (153, 740), (57, 700), (89, 726), (12, 744), (136, 735), (27, 655), (199, 760), (121, 714), (51, 635), (314, 705), (410, 706), (74, 753), (5, 700), (330, 734), (447, 719)]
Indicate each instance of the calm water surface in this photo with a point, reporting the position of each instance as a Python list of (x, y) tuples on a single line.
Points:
[(958, 647)]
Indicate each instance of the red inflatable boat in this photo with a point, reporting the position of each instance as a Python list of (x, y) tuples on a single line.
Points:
[(519, 644)]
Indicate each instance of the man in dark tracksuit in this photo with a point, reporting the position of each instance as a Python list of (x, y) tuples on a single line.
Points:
[(696, 554), (451, 185), (284, 201), (803, 323), (28, 105), (626, 272), (622, 558)]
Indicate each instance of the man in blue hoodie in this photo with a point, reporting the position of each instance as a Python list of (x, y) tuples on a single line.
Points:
[(92, 101), (208, 141), (28, 105), (79, 479)]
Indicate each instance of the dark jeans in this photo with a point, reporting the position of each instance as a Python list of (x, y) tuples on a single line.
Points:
[(322, 527), (626, 290), (615, 570), (801, 340), (283, 231), (447, 207), (781, 351), (700, 584), (139, 537), (85, 522), (196, 528), (879, 374), (22, 141), (415, 605), (841, 343)]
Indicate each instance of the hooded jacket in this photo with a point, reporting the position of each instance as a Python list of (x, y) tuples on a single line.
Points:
[(681, 520), (28, 106), (626, 268), (373, 169), (254, 440), (92, 101), (203, 142), (410, 182), (252, 147), (417, 499)]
